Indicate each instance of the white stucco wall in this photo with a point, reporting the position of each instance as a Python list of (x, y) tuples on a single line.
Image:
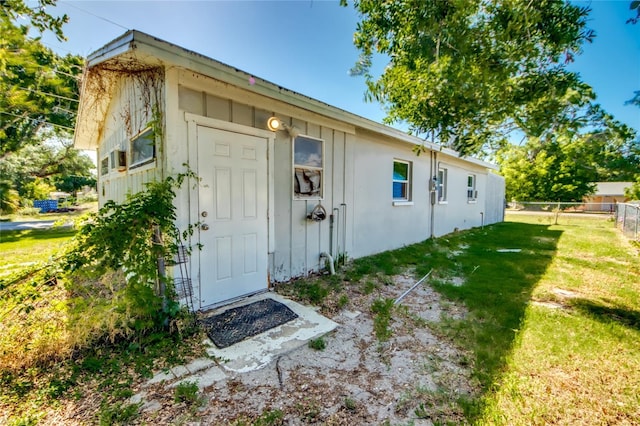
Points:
[(380, 225)]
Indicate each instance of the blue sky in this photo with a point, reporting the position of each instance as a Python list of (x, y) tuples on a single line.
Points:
[(306, 45)]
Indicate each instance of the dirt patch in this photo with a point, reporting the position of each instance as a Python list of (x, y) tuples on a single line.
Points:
[(414, 376)]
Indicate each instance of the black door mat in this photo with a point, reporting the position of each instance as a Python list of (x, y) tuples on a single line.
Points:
[(237, 324)]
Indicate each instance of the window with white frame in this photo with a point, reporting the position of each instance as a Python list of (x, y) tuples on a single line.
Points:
[(442, 184), (401, 180), (308, 166), (471, 188), (143, 148)]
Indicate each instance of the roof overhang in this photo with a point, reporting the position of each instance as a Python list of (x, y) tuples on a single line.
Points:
[(135, 47)]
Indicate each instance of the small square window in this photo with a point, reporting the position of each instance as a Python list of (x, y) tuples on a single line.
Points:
[(401, 180), (308, 166), (143, 148), (442, 185), (104, 166), (471, 188)]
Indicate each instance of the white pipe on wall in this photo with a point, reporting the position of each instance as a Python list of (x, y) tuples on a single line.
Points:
[(332, 268)]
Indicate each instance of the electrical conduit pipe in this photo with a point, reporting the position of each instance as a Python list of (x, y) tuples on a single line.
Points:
[(330, 259)]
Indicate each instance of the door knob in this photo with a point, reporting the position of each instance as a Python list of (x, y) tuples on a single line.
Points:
[(204, 227)]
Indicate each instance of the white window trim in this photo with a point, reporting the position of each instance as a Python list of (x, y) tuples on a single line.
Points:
[(444, 185), (403, 203), (408, 200), (474, 192), (293, 169), (147, 161)]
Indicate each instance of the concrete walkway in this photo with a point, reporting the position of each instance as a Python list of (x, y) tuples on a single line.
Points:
[(248, 355)]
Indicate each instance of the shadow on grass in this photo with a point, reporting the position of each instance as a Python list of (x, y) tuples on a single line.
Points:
[(501, 266), (606, 313), (37, 234)]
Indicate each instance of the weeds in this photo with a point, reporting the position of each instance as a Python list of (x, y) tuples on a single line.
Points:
[(118, 413), (187, 392), (318, 344), (350, 404), (267, 418), (382, 309)]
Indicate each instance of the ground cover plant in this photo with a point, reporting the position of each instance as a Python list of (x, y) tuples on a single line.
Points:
[(73, 327)]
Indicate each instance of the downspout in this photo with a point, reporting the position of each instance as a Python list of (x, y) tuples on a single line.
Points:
[(335, 217), (344, 231), (433, 191), (332, 268)]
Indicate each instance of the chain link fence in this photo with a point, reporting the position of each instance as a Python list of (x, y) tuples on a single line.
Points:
[(553, 207), (627, 218)]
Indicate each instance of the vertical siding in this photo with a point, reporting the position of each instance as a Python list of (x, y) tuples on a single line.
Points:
[(127, 116), (298, 241), (495, 200), (357, 174)]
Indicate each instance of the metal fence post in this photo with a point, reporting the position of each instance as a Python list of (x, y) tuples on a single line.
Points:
[(637, 220)]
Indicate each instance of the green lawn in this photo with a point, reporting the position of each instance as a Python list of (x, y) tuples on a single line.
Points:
[(20, 249), (574, 357), (553, 322)]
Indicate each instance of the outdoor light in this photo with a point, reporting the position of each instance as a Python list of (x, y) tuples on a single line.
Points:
[(274, 124)]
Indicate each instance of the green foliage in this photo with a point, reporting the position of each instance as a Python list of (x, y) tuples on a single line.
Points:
[(38, 89), (269, 418), (469, 72), (635, 6), (37, 15), (9, 198), (118, 414), (566, 166), (133, 236), (633, 192), (313, 291), (58, 165), (382, 309), (38, 189), (187, 392), (318, 344), (350, 404), (106, 286)]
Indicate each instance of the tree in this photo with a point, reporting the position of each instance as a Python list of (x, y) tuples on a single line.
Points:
[(635, 6), (472, 71), (38, 90), (633, 192), (39, 18), (565, 167), (57, 164)]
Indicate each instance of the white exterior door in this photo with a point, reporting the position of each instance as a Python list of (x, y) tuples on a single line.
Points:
[(233, 203)]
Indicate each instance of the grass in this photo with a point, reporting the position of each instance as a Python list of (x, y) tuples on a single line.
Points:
[(318, 344), (553, 322), (574, 359), (552, 327), (43, 363)]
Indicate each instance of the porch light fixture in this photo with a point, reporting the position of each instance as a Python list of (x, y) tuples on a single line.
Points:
[(274, 124)]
